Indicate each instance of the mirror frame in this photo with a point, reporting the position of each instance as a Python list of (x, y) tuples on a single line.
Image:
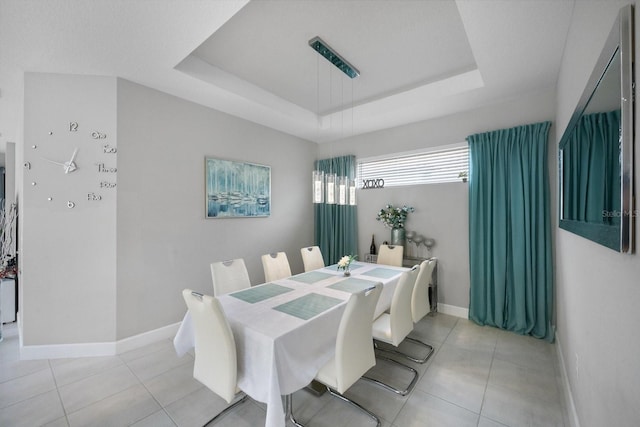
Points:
[(620, 39)]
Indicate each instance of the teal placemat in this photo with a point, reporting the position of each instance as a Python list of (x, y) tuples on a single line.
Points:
[(311, 277), (308, 306), (353, 285), (260, 293), (383, 273)]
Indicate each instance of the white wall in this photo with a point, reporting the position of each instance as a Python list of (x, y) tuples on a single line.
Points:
[(165, 244), (598, 295), (441, 210)]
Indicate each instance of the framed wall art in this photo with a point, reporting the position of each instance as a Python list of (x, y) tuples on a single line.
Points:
[(237, 189)]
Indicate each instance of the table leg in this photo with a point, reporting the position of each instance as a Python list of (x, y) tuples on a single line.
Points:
[(434, 290)]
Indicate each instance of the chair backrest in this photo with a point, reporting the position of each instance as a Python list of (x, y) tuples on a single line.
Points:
[(400, 312), (312, 258), (215, 363), (229, 276), (420, 299), (391, 255), (276, 266), (354, 345)]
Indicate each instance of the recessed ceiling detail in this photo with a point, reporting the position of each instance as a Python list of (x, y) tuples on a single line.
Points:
[(402, 44), (415, 54)]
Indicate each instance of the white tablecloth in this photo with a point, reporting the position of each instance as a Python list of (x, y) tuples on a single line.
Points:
[(279, 353)]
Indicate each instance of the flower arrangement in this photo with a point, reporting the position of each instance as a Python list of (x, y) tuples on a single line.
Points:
[(394, 217), (345, 262)]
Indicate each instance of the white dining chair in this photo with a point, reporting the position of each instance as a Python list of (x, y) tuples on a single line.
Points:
[(393, 327), (229, 276), (420, 304), (312, 258), (276, 266), (419, 308), (354, 350), (215, 363), (391, 255)]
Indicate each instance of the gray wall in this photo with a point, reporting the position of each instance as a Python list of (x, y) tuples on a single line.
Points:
[(116, 268), (165, 244), (67, 256), (441, 210), (597, 289)]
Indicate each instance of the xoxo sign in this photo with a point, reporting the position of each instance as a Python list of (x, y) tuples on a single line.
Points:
[(372, 183)]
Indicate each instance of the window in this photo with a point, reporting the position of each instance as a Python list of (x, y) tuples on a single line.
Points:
[(442, 164)]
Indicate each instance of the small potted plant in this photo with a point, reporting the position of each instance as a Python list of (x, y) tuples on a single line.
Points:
[(463, 175)]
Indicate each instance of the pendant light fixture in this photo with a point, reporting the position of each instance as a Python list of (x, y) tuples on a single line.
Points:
[(352, 192), (330, 55), (328, 187), (343, 190), (318, 186), (330, 179)]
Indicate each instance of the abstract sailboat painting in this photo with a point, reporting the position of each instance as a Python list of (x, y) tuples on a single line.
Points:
[(237, 189)]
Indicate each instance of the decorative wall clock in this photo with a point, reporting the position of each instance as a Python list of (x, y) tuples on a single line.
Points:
[(71, 168)]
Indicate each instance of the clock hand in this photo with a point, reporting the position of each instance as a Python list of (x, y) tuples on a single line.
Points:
[(73, 156), (54, 162), (70, 166)]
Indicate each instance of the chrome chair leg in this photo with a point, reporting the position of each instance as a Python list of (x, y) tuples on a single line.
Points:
[(424, 344), (227, 409), (356, 404), (413, 359), (404, 392), (289, 410)]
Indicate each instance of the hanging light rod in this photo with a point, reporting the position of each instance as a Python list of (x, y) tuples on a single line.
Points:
[(330, 55)]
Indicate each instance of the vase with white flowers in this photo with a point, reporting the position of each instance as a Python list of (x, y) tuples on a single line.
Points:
[(394, 218), (345, 262)]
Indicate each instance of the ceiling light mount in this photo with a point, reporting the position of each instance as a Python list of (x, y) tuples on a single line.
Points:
[(330, 55)]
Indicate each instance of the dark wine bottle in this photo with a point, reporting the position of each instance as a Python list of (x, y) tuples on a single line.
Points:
[(372, 249)]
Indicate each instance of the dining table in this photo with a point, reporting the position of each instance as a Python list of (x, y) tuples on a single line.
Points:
[(285, 330)]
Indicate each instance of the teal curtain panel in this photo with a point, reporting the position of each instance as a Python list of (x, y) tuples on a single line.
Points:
[(336, 227), (510, 230)]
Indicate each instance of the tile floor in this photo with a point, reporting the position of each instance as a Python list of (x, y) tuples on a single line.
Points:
[(478, 376)]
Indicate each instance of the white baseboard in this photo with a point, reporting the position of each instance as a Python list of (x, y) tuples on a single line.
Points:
[(453, 310), (140, 340), (572, 414), (56, 351)]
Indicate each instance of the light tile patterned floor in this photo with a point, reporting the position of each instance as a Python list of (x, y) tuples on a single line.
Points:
[(478, 376)]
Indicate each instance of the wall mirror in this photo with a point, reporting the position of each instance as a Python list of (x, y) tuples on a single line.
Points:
[(596, 149)]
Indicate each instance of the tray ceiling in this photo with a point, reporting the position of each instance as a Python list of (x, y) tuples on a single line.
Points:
[(418, 59)]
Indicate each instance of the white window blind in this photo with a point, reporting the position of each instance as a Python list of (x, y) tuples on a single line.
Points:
[(440, 165)]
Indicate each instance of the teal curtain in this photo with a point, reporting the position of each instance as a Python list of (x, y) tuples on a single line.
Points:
[(591, 169), (336, 227), (510, 231)]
